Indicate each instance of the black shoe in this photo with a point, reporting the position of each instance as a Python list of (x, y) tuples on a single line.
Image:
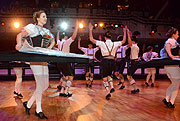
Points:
[(165, 102), (15, 93), (40, 115), (135, 91), (90, 85), (61, 94), (170, 105), (87, 84), (120, 83), (112, 90), (122, 87), (108, 96), (26, 108), (59, 87), (152, 85), (146, 84), (20, 96), (67, 95)]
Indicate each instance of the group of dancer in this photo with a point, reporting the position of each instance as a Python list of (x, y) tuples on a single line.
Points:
[(42, 37)]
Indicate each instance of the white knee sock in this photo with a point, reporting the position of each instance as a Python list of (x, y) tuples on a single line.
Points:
[(38, 107)]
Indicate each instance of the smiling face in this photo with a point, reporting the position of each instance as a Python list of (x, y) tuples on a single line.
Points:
[(42, 19)]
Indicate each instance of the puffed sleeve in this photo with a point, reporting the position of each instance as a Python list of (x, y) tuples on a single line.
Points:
[(30, 29)]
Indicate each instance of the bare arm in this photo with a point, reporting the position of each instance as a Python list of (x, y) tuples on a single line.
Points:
[(168, 50), (129, 38), (75, 31), (90, 34), (52, 44), (19, 39), (57, 37), (124, 36), (79, 43)]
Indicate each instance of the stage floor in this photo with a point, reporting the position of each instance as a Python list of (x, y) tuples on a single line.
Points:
[(89, 104)]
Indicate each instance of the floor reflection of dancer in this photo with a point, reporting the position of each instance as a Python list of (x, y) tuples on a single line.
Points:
[(41, 37), (64, 46), (171, 50), (120, 64), (134, 52), (148, 56), (108, 50), (90, 52)]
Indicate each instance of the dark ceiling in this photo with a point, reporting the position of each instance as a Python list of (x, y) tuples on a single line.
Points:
[(152, 6)]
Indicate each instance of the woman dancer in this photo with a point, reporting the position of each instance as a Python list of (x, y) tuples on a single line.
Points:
[(171, 50), (108, 50), (90, 52), (148, 56), (41, 37)]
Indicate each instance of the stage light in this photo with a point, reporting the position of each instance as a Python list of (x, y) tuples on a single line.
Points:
[(152, 31), (116, 26), (2, 24), (64, 26), (95, 25), (101, 25), (122, 26), (16, 24), (81, 25)]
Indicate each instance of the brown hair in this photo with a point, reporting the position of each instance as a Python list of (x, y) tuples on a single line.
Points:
[(149, 48), (108, 34), (171, 31), (37, 15)]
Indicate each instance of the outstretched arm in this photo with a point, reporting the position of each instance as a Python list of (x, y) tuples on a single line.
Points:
[(124, 36), (90, 34), (75, 31), (129, 37), (79, 42), (57, 37)]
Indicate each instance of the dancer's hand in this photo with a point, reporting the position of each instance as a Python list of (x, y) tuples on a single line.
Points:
[(125, 29), (18, 47), (90, 26)]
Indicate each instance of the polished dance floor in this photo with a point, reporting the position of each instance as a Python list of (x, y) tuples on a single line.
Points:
[(89, 104)]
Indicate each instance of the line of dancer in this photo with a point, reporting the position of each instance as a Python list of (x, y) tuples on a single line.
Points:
[(43, 38)]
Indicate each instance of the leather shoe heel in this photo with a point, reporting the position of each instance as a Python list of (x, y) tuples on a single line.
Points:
[(41, 115), (26, 108)]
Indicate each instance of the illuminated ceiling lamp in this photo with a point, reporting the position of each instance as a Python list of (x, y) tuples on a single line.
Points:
[(16, 25)]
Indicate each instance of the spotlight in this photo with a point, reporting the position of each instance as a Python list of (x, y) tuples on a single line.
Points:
[(96, 25), (64, 26), (153, 29), (122, 26), (81, 25), (116, 26), (16, 25), (2, 24), (101, 25)]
